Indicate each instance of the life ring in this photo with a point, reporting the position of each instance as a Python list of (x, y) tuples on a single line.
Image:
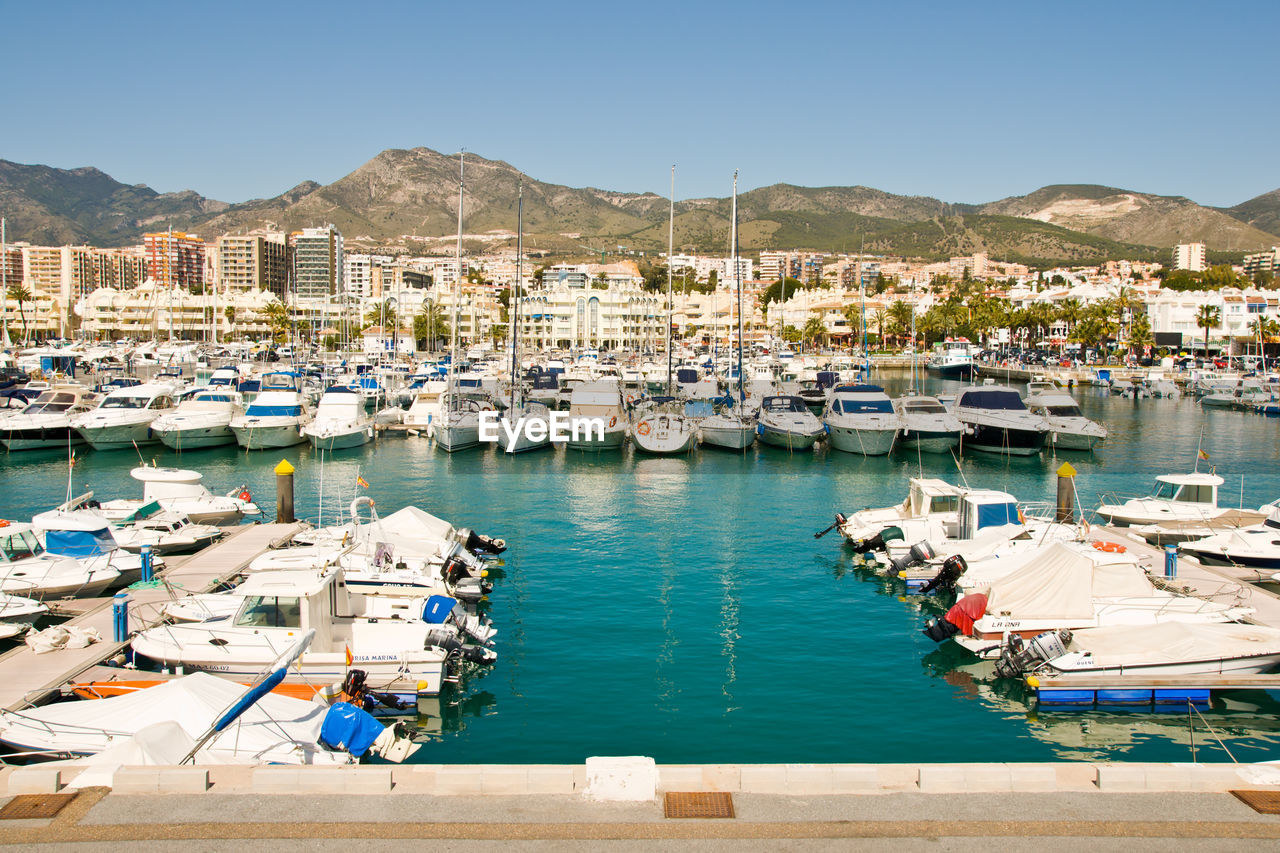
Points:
[(245, 496), (643, 429), (1109, 547), (4, 522), (631, 399), (613, 421)]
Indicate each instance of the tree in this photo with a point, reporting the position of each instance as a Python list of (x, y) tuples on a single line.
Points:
[(382, 315), (774, 292), (655, 278), (279, 321), (814, 330), (230, 313), (1207, 318), (22, 296), (1264, 279), (429, 326), (1140, 332), (879, 318), (900, 318)]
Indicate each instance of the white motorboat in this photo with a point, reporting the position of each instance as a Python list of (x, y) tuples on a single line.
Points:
[(201, 420), (166, 533), (664, 431), (931, 506), (861, 419), (1256, 546), (952, 359), (728, 428), (276, 416), (46, 421), (1076, 585), (1177, 498), (997, 421), (524, 427), (926, 424), (405, 658), (1160, 650), (785, 421), (86, 536), (180, 490), (27, 570), (597, 416), (1069, 429), (426, 405), (19, 610), (340, 421), (123, 418)]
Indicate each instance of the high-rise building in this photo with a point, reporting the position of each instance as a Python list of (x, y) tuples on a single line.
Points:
[(253, 262), (317, 263), (1262, 262), (1189, 256), (175, 259)]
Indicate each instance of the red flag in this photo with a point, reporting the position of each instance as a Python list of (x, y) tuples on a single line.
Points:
[(361, 481)]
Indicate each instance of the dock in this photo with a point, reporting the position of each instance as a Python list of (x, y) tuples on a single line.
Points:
[(27, 678)]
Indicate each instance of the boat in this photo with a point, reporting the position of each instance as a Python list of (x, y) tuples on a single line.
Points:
[(1069, 429), (597, 417), (663, 430), (425, 407), (952, 359), (46, 421), (861, 419), (404, 658), (182, 491), (931, 505), (123, 418), (817, 391), (785, 421), (19, 611), (1161, 650), (340, 421), (1256, 546), (728, 428), (27, 570), (1161, 387), (997, 421), (86, 536), (1176, 498), (201, 420), (277, 414), (1075, 585), (926, 424)]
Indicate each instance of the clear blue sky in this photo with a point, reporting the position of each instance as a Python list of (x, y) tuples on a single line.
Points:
[(967, 102)]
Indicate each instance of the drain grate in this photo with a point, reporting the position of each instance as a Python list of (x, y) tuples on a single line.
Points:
[(1264, 802), (698, 804), (34, 806)]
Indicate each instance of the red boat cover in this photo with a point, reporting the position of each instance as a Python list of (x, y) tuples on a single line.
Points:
[(966, 611)]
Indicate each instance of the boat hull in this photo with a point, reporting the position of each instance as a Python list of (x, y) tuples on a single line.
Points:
[(41, 438), (262, 436), (789, 440), (942, 441), (729, 438), (192, 438), (117, 436), (1004, 440), (868, 442), (613, 440), (341, 441)]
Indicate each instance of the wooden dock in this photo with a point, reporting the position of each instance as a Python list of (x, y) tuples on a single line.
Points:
[(27, 678)]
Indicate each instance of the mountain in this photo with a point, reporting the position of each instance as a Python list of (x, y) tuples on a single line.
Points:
[(43, 205), (408, 198), (1132, 217), (1262, 212)]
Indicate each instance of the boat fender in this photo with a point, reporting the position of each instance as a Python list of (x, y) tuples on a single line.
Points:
[(245, 496), (1109, 547)]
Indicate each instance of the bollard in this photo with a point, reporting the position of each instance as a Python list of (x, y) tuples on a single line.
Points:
[(120, 617), (1171, 561), (1066, 512), (284, 492), (148, 564)]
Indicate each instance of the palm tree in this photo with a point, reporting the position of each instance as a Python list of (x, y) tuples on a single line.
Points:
[(900, 317), (814, 329), (1207, 318), (278, 320), (230, 313), (22, 296), (430, 325), (879, 318)]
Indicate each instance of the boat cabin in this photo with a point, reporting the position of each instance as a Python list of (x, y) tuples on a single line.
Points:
[(985, 509), (1194, 488), (928, 496), (783, 404), (18, 542)]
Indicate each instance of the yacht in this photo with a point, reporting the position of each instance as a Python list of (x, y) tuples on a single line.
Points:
[(123, 418), (458, 426), (952, 359), (525, 435), (1256, 546), (28, 570), (861, 419), (201, 420), (730, 428), (340, 420), (664, 430), (46, 420), (1177, 498), (926, 424), (426, 404), (785, 421), (277, 414), (1069, 429), (597, 417), (997, 421), (179, 490)]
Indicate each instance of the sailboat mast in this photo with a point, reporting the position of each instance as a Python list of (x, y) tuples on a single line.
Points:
[(457, 285), (737, 275), (913, 334), (515, 294), (671, 242)]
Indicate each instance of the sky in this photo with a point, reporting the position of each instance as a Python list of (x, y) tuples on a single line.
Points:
[(966, 102)]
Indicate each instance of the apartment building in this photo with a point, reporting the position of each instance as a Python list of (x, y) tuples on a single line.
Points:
[(254, 261), (1189, 256), (1262, 262), (572, 308), (317, 264), (175, 259)]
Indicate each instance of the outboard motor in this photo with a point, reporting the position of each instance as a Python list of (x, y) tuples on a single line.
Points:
[(879, 541), (939, 629), (479, 629), (920, 553), (1019, 656), (478, 543), (952, 569), (447, 640)]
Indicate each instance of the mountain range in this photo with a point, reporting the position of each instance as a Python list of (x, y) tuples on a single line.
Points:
[(406, 197)]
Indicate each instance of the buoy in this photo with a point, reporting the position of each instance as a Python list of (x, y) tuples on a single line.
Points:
[(1033, 682), (643, 428), (613, 421), (245, 496), (1109, 547), (4, 522)]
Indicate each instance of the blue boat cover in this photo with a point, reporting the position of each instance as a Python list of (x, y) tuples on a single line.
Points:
[(1007, 400), (686, 374), (79, 543), (827, 378), (437, 609), (998, 515), (347, 727), (273, 411)]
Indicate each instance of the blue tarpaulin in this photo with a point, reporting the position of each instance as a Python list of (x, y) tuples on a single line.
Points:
[(347, 727), (437, 609), (79, 543), (996, 515)]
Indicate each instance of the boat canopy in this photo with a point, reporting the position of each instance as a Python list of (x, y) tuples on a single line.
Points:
[(992, 398), (265, 411), (1188, 488), (75, 533), (783, 404), (1174, 642), (1064, 581)]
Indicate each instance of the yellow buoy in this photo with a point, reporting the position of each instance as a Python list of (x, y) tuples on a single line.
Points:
[(1032, 681)]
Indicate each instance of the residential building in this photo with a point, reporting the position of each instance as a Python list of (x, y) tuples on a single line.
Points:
[(151, 311), (254, 261), (175, 259), (357, 273), (317, 264), (1189, 256), (1262, 263), (610, 310)]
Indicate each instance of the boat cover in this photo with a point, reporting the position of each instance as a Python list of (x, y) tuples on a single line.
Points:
[(411, 525), (75, 533), (350, 728), (1175, 642), (1064, 581)]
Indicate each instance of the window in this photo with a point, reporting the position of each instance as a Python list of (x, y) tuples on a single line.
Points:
[(269, 611), (1064, 411), (1196, 494), (19, 546)]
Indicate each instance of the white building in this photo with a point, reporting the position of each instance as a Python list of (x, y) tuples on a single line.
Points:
[(1189, 256), (575, 309)]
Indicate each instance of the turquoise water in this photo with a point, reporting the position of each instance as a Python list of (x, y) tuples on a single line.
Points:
[(681, 608)]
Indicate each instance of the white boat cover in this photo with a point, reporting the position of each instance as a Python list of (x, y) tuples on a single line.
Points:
[(411, 525), (1065, 580), (277, 729), (1175, 642)]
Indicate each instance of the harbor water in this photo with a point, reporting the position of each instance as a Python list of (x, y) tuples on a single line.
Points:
[(680, 607)]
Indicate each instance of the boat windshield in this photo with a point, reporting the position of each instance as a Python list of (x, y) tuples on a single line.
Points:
[(270, 611), (783, 404), (1064, 411), (857, 407), (923, 407), (124, 403), (1165, 491), (1003, 400), (54, 403), (19, 546)]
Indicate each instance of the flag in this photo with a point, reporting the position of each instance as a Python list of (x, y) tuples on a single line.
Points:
[(1203, 455), (348, 650), (361, 481)]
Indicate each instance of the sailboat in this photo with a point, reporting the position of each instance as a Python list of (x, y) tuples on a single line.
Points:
[(664, 430), (926, 425), (730, 427), (459, 425), (518, 432)]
